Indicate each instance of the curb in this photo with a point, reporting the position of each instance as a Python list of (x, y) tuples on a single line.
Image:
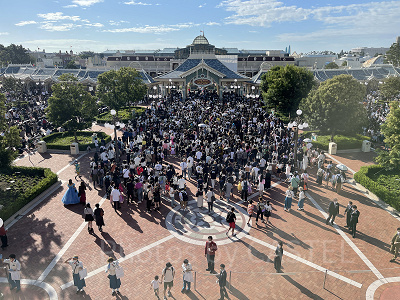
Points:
[(32, 204)]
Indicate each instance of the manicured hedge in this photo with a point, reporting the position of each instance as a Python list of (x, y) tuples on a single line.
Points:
[(385, 189), (49, 178), (343, 142), (63, 140), (124, 115)]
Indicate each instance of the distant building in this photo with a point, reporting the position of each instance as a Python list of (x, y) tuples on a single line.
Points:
[(369, 51), (315, 61)]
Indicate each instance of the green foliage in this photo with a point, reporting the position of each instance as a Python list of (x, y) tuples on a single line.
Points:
[(390, 88), (117, 89), (332, 65), (383, 183), (343, 142), (336, 106), (284, 87), (86, 54), (71, 65), (71, 106), (393, 55), (63, 140), (29, 183), (9, 83), (372, 85), (124, 115), (14, 54), (391, 131), (344, 64)]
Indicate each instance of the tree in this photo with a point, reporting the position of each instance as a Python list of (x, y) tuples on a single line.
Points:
[(14, 54), (10, 138), (336, 106), (391, 131), (284, 87), (9, 84), (332, 65), (71, 106), (372, 85), (344, 63), (390, 88), (86, 54), (117, 89), (71, 65), (393, 54)]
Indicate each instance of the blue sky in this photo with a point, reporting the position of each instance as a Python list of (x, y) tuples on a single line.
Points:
[(99, 25)]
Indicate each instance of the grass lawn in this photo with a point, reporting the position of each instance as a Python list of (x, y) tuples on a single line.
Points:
[(63, 140), (124, 114), (388, 179)]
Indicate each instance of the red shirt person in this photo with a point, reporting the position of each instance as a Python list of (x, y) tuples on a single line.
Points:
[(210, 249)]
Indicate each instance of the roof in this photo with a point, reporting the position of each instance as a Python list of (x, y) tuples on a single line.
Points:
[(361, 74), (200, 40)]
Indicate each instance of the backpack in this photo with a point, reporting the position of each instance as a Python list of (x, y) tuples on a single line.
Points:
[(229, 217), (184, 197)]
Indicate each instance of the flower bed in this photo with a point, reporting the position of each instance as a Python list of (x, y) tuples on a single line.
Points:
[(63, 140), (383, 183), (124, 115), (20, 185)]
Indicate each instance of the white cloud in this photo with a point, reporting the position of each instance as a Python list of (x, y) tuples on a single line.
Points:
[(57, 16), (23, 23), (50, 26), (117, 23), (213, 24), (153, 29), (99, 25), (70, 6), (4, 33), (202, 5), (137, 3), (86, 3)]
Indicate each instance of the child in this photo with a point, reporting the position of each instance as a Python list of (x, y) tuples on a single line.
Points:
[(155, 285), (77, 169)]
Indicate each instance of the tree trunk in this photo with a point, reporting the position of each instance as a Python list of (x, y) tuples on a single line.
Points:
[(332, 135), (76, 139)]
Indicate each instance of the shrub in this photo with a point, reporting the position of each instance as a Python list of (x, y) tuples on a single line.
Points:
[(49, 178), (380, 182), (343, 142), (124, 115), (63, 140)]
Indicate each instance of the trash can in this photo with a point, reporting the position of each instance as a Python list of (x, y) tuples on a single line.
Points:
[(332, 148), (74, 148), (42, 147), (366, 146)]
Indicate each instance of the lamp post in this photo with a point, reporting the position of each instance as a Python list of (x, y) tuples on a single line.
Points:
[(114, 113), (296, 125)]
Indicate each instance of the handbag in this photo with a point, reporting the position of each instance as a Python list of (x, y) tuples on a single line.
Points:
[(82, 273), (119, 272)]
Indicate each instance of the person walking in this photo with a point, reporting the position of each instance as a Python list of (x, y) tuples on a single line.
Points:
[(278, 257), (250, 209), (395, 245), (231, 219), (210, 200), (210, 249), (222, 282), (82, 193), (98, 215), (260, 207), (14, 272), (302, 197), (3, 235), (333, 211), (88, 212), (348, 211), (199, 196), (115, 282), (289, 195), (187, 276), (355, 214), (267, 211), (155, 285), (76, 266), (115, 194), (168, 275)]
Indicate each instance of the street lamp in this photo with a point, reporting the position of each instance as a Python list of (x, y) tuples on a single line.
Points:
[(296, 125), (114, 113)]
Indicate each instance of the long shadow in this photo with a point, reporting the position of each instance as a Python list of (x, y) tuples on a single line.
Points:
[(322, 226), (256, 253), (126, 215), (302, 288), (113, 244), (333, 294), (235, 292)]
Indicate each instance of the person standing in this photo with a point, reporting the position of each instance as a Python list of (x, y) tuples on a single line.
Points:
[(222, 283), (88, 212), (98, 214), (278, 257), (395, 245), (14, 272), (3, 236), (199, 196), (115, 194), (268, 211), (187, 276), (260, 207), (184, 167), (333, 211), (228, 190), (231, 219), (355, 214), (250, 209), (268, 180), (289, 195), (115, 282), (130, 188), (77, 266), (77, 169), (82, 193), (302, 197), (210, 249), (348, 211), (210, 200), (339, 183), (168, 275)]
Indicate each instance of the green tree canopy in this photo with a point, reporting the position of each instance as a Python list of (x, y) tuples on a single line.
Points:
[(86, 54), (71, 65), (117, 89), (14, 54), (390, 88), (336, 106), (344, 63), (391, 132), (70, 105), (393, 55), (284, 87), (332, 65)]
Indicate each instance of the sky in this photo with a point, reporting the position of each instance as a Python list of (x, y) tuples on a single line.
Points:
[(99, 25)]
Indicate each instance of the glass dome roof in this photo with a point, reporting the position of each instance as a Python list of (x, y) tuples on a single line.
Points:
[(200, 40)]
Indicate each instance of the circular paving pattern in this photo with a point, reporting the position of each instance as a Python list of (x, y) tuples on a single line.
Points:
[(195, 224)]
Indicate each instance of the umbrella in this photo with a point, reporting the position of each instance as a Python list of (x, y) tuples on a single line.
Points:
[(307, 140), (202, 125), (342, 167)]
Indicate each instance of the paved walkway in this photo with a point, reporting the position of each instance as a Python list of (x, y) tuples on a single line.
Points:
[(315, 254)]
